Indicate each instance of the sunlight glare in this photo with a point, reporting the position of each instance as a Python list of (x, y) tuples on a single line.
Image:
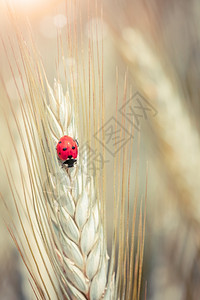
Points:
[(28, 4)]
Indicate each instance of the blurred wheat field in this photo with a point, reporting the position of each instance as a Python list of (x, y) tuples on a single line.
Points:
[(149, 48)]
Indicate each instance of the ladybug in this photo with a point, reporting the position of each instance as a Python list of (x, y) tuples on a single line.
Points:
[(67, 150)]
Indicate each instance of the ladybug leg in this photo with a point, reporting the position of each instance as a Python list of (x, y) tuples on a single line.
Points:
[(77, 143), (63, 164)]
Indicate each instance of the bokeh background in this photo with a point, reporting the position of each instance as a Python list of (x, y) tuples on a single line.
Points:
[(157, 44)]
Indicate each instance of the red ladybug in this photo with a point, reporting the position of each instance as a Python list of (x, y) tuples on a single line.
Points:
[(67, 150)]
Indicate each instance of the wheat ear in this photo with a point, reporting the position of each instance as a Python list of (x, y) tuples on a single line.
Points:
[(79, 241)]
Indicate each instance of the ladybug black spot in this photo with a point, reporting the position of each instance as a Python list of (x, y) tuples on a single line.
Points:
[(59, 153), (59, 142), (64, 149), (73, 147)]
